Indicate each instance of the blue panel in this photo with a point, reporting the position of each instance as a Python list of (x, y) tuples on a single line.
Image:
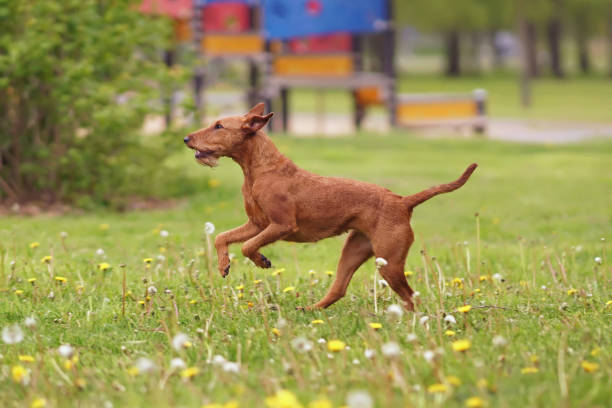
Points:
[(297, 18), (204, 2)]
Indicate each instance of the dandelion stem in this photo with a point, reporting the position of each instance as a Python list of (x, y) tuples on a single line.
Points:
[(124, 286), (375, 300), (561, 367), (477, 215)]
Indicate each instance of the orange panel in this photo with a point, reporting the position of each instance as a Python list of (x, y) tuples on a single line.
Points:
[(314, 65), (182, 30), (371, 95), (220, 44), (437, 110)]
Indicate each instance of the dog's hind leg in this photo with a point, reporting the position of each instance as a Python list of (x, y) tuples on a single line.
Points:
[(238, 234), (357, 249)]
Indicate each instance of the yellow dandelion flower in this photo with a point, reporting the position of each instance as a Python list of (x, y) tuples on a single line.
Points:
[(449, 333), (454, 381), (312, 272), (283, 399), (190, 372), (46, 259), (133, 371), (317, 321), (589, 367), (240, 287), (534, 359), (162, 250), (464, 309), (250, 305), (18, 373), (103, 266), (375, 325), (141, 302), (461, 345), (193, 301), (68, 365), (26, 358), (61, 279), (276, 332), (529, 370), (437, 388), (257, 281), (147, 260), (288, 289), (212, 183), (609, 303), (18, 292), (483, 278), (32, 280), (80, 383), (336, 345), (474, 402), (38, 403), (482, 383), (458, 282), (595, 352), (104, 227), (277, 272), (408, 273), (321, 403), (329, 273), (34, 245), (571, 292)]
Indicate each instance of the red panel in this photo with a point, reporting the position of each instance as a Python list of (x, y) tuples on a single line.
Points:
[(179, 9), (340, 42), (226, 17)]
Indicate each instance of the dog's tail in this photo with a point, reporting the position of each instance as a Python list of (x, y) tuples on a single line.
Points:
[(416, 199)]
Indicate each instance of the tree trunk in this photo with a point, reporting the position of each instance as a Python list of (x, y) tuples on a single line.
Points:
[(610, 46), (584, 62), (531, 48), (453, 54), (554, 43)]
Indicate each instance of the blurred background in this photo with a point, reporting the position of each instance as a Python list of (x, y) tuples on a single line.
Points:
[(96, 95)]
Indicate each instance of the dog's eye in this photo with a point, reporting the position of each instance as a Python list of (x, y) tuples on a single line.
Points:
[(218, 126)]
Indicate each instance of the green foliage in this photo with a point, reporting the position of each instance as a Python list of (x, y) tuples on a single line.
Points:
[(78, 77)]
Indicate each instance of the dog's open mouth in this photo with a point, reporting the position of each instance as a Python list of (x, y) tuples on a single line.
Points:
[(207, 157)]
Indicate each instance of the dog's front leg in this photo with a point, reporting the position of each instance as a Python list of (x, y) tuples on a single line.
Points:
[(273, 232), (238, 234)]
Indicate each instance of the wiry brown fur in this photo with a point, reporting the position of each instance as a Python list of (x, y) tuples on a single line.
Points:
[(284, 202)]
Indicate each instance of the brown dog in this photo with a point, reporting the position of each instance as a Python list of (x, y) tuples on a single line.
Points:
[(284, 202)]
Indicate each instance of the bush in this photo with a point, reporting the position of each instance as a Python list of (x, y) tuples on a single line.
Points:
[(78, 77)]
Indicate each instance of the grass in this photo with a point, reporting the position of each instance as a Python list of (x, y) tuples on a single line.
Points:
[(536, 290), (582, 99)]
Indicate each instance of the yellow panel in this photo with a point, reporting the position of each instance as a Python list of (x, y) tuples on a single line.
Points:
[(437, 110), (370, 95), (182, 30), (314, 65), (219, 44)]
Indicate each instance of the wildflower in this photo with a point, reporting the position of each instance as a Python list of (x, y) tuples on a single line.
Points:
[(301, 344), (320, 403), (61, 279), (359, 399), (336, 345), (368, 353), (424, 319), (177, 363), (329, 273), (38, 403), (277, 272), (103, 266), (454, 381), (288, 289), (429, 355), (474, 402), (240, 287), (321, 341), (499, 341), (375, 325), (212, 183), (408, 273), (383, 283), (18, 292), (46, 259), (164, 233), (19, 374), (458, 282), (12, 334), (498, 277), (190, 372), (209, 228), (180, 341), (595, 352), (571, 292), (391, 349), (395, 311), (231, 367), (30, 322), (450, 319), (34, 245), (589, 367), (437, 388), (283, 399), (257, 281), (410, 337), (317, 321), (276, 332), (26, 358), (218, 360), (312, 272), (100, 252), (380, 262), (151, 290), (32, 281), (483, 278), (147, 260), (104, 227), (461, 345), (449, 333), (464, 309), (144, 365), (529, 370), (598, 260), (65, 350), (609, 303)]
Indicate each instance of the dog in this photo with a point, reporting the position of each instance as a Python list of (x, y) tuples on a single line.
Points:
[(284, 202)]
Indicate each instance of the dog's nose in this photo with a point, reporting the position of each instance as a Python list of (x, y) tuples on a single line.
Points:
[(186, 139)]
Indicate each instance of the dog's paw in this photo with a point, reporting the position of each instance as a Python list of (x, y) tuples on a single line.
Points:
[(262, 262), (224, 271)]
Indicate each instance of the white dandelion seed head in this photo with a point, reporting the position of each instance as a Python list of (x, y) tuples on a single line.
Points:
[(598, 260), (177, 363), (30, 322), (65, 350), (498, 277), (499, 341), (179, 340), (12, 334), (281, 323), (200, 330), (63, 234), (381, 262), (145, 365), (356, 361), (301, 344), (164, 233), (368, 353), (411, 337), (231, 367), (391, 349), (321, 341), (416, 294), (383, 283), (424, 319), (359, 399), (151, 290), (429, 355), (51, 295), (100, 252), (12, 263), (209, 228), (218, 360), (450, 319), (395, 311), (161, 258)]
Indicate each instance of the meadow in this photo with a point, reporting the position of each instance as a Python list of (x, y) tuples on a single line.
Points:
[(514, 307)]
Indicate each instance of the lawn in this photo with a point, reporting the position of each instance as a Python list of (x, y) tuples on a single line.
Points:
[(532, 265)]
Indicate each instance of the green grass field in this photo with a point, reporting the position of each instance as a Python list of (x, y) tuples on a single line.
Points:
[(537, 334)]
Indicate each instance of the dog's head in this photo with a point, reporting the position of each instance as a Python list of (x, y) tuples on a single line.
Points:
[(224, 136)]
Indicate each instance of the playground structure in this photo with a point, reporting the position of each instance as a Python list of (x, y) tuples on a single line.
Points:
[(313, 44)]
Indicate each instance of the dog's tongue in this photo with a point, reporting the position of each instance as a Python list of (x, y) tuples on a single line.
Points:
[(199, 154)]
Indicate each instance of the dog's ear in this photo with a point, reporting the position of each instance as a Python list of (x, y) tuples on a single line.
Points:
[(257, 109), (253, 123)]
